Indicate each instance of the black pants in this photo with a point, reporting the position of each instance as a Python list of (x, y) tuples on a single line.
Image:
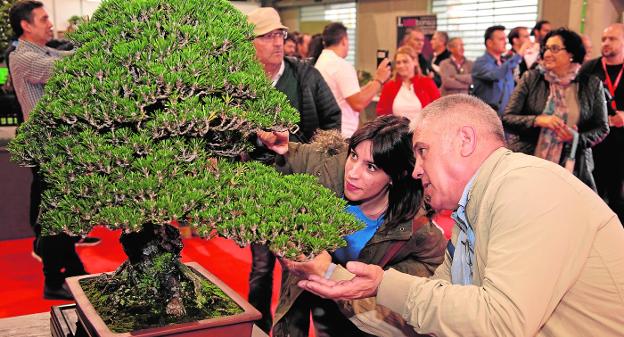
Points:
[(609, 170), (58, 252), (261, 284)]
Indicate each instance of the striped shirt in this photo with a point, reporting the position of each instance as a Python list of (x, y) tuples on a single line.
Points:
[(31, 66)]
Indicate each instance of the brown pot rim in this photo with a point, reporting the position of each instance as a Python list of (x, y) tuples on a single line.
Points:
[(85, 309)]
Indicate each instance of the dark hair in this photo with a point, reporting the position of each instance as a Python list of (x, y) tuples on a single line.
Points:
[(291, 37), (490, 30), (392, 152), (301, 38), (315, 48), (514, 34), (572, 42), (22, 10), (538, 25), (333, 33)]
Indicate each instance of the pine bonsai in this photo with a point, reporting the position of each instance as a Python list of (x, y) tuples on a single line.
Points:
[(143, 125), (5, 26)]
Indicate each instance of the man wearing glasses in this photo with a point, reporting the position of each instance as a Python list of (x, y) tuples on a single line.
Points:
[(307, 92)]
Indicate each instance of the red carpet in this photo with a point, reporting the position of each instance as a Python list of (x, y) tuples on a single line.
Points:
[(21, 285)]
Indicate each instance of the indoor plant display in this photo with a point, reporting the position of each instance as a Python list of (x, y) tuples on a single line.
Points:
[(143, 125)]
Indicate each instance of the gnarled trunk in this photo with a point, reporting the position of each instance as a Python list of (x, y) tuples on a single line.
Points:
[(153, 288)]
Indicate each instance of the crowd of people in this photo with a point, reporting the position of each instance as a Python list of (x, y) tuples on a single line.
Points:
[(525, 146)]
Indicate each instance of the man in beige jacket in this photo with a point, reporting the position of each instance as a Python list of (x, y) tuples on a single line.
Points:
[(534, 251)]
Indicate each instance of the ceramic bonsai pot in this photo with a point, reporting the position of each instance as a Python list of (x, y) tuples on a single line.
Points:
[(239, 325)]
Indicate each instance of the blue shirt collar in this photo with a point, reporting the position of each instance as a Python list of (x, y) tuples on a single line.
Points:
[(460, 212)]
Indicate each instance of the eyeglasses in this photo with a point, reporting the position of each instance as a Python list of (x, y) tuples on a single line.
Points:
[(282, 34), (553, 49)]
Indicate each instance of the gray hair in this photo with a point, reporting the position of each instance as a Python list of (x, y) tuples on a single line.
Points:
[(461, 108), (452, 41)]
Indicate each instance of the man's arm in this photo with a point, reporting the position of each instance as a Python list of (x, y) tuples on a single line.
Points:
[(485, 70), (360, 100), (33, 67), (450, 80)]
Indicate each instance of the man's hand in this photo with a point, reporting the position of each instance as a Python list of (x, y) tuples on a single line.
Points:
[(524, 47), (383, 72), (364, 284), (276, 141), (617, 120), (317, 266)]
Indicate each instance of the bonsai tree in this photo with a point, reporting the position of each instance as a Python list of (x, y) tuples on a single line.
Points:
[(144, 125), (5, 26)]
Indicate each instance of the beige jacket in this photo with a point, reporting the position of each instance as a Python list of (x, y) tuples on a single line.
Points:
[(549, 260)]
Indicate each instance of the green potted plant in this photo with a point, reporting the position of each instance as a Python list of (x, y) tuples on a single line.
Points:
[(144, 125), (5, 27), (74, 21)]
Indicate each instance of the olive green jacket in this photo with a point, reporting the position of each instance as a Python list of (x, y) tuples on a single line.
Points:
[(421, 254)]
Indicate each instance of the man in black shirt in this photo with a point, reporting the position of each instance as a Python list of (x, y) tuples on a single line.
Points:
[(609, 155), (440, 53)]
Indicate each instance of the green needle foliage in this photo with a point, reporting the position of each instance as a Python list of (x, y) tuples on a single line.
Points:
[(5, 26), (144, 122)]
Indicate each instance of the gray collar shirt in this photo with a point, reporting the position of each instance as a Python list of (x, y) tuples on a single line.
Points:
[(31, 66)]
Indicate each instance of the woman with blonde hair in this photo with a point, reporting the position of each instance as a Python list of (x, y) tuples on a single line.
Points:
[(408, 91)]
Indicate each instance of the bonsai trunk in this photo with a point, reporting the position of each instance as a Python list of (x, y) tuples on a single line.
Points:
[(153, 288), (154, 256)]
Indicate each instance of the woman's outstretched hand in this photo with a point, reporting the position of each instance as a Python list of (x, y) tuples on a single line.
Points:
[(276, 141)]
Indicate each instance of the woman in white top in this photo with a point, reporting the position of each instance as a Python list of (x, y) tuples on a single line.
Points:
[(408, 91)]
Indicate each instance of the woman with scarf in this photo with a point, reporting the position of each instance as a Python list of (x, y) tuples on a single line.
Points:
[(555, 113), (373, 171), (408, 92)]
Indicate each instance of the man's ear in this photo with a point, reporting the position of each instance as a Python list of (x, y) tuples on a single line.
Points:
[(25, 25), (468, 140)]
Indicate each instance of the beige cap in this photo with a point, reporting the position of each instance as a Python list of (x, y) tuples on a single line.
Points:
[(265, 19)]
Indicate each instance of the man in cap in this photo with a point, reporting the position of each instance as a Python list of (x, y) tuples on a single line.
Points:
[(307, 92)]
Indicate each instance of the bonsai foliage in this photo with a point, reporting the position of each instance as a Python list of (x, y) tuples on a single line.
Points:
[(5, 26), (143, 125), (127, 130)]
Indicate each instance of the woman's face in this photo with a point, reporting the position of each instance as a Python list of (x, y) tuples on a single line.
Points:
[(556, 57), (363, 180), (405, 66)]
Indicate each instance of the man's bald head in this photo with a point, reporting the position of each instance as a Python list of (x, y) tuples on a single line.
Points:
[(612, 45)]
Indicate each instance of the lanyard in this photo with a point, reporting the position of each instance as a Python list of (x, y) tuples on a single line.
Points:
[(458, 66), (610, 85)]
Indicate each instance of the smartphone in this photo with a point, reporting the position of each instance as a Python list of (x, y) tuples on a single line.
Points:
[(381, 55)]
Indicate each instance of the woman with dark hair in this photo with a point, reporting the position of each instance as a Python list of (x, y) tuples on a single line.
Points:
[(373, 172), (408, 92), (315, 48), (556, 113)]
